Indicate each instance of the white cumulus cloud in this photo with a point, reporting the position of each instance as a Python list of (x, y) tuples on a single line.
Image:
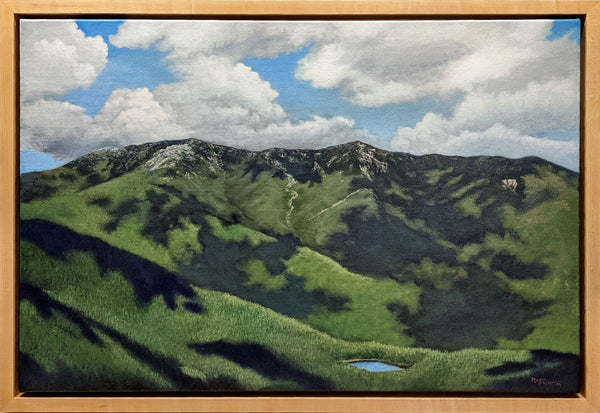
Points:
[(134, 117), (56, 57), (536, 107), (222, 100), (55, 127), (436, 134), (218, 98), (185, 40), (66, 131), (375, 64)]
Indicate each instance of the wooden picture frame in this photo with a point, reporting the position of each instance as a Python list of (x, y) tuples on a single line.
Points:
[(588, 400)]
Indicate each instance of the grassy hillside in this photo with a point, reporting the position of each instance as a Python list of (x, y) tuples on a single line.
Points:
[(87, 328), (190, 255)]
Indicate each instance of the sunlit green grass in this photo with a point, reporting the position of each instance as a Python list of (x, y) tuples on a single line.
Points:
[(548, 235), (434, 175), (259, 274), (320, 206), (367, 316), (108, 300), (237, 233), (73, 209), (462, 191)]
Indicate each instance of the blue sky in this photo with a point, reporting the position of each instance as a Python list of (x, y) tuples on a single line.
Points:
[(307, 93)]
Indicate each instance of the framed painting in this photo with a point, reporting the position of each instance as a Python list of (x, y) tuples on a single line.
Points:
[(300, 206)]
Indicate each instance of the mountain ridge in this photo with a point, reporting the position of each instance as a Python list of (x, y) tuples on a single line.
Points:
[(374, 249), (463, 230), (340, 148)]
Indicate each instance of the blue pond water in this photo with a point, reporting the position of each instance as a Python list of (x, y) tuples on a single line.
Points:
[(376, 366)]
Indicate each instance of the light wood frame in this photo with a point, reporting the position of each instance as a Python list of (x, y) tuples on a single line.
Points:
[(588, 400)]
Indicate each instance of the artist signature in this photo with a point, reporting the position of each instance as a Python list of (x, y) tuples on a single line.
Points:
[(545, 382)]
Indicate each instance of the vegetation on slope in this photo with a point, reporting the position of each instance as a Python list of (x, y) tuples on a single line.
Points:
[(357, 248), (87, 328)]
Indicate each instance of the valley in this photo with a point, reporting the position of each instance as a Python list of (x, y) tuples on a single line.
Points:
[(185, 265)]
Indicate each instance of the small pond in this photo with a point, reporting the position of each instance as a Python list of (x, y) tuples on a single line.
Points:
[(374, 365)]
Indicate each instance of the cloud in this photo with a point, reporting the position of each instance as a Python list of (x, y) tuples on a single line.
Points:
[(511, 123), (535, 108), (55, 127), (218, 89), (396, 62), (316, 132), (136, 116), (219, 99), (185, 40), (66, 131), (436, 134), (224, 101), (56, 57)]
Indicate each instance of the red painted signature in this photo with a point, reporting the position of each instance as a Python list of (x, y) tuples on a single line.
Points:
[(545, 382)]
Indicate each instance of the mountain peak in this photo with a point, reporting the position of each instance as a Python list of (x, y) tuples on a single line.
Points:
[(351, 145), (170, 156), (368, 159)]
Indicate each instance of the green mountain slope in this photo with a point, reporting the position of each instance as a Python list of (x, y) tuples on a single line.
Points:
[(356, 243), (87, 326)]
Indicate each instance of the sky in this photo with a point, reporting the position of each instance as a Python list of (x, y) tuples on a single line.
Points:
[(507, 88)]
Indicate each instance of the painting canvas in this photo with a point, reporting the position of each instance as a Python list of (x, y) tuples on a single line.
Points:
[(267, 206)]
